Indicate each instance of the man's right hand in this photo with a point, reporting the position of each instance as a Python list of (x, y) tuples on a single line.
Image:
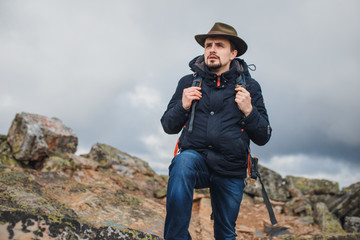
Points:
[(190, 94)]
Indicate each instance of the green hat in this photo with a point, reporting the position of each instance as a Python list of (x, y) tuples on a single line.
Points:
[(225, 31)]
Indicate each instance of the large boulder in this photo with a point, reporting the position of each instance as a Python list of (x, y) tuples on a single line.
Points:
[(32, 137)]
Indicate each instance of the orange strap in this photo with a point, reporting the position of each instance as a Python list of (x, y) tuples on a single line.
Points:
[(176, 148), (249, 164)]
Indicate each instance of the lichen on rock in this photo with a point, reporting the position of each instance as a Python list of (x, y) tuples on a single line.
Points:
[(32, 137)]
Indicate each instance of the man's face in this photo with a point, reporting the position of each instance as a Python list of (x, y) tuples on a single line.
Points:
[(218, 54)]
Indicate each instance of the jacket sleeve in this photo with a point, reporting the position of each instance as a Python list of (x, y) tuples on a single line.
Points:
[(257, 124), (175, 115)]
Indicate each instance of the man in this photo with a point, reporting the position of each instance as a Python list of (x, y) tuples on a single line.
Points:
[(214, 152)]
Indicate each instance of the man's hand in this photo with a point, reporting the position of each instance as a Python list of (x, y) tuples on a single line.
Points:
[(243, 100), (190, 94)]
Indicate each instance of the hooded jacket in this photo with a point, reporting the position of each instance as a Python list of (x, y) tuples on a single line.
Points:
[(221, 132)]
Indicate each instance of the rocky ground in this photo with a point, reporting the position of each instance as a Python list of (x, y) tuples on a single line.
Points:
[(251, 222), (49, 192)]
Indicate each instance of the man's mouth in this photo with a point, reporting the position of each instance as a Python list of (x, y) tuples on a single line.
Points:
[(213, 57)]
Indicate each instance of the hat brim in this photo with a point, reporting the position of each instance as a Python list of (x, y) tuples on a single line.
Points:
[(240, 44)]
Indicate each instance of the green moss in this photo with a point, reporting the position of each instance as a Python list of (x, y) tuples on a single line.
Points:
[(323, 236), (134, 234), (317, 186), (332, 226), (130, 185), (121, 197), (14, 177), (78, 189), (160, 193), (205, 191), (165, 178), (55, 162), (24, 194), (6, 157)]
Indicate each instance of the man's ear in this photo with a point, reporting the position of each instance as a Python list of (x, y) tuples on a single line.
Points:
[(233, 54)]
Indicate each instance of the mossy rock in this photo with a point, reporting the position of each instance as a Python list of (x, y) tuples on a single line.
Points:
[(22, 193), (326, 220), (56, 163), (313, 186), (6, 157), (43, 226), (323, 236), (121, 198), (108, 155), (346, 203), (160, 193)]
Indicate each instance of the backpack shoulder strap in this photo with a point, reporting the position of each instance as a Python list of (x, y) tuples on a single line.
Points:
[(196, 83), (197, 80), (240, 81)]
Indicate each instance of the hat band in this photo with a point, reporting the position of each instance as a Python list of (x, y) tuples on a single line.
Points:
[(220, 32)]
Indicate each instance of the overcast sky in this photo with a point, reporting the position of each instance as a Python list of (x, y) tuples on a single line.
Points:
[(107, 69)]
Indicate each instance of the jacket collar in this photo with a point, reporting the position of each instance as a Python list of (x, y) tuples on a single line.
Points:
[(236, 68)]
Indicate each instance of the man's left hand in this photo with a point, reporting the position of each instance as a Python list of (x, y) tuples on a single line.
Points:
[(243, 100)]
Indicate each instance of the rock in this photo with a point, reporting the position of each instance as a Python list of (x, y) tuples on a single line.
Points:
[(201, 226), (323, 236), (307, 192), (275, 231), (20, 192), (326, 220), (160, 193), (246, 229), (274, 185), (312, 186), (124, 163), (306, 220), (347, 202), (301, 206), (32, 137), (53, 203), (259, 234), (294, 192), (22, 225), (352, 224), (68, 162), (315, 198), (6, 157), (56, 163), (137, 172), (109, 194)]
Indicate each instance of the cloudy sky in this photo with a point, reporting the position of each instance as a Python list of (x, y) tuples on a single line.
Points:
[(107, 69)]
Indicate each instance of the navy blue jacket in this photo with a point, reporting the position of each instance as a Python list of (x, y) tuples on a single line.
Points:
[(221, 132)]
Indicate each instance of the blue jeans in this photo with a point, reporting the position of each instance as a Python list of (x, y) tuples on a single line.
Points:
[(188, 171)]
